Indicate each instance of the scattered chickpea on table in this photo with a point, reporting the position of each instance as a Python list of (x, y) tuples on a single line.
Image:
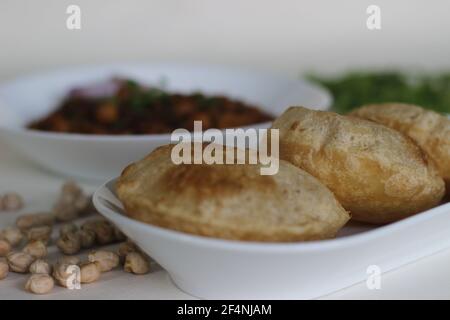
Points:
[(11, 202), (40, 283), (12, 235), (36, 248), (40, 266), (23, 247), (90, 272), (5, 248), (4, 269)]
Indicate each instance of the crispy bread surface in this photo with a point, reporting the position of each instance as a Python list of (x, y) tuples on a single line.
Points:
[(230, 201), (376, 173)]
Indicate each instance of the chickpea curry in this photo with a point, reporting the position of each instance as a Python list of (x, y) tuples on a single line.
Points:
[(131, 108)]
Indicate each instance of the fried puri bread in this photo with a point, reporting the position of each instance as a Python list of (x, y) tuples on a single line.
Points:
[(429, 129), (376, 173), (229, 201)]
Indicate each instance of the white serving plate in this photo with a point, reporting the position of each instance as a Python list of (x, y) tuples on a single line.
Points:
[(102, 157), (222, 269)]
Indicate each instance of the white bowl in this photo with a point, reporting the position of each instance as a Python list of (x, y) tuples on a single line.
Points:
[(222, 269), (102, 157)]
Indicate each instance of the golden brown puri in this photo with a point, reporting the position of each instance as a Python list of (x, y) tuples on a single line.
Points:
[(429, 129), (376, 173), (229, 201)]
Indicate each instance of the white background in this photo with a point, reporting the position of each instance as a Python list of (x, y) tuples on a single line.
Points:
[(289, 36)]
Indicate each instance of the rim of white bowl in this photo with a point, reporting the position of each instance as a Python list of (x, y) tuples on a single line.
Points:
[(272, 247), (103, 137)]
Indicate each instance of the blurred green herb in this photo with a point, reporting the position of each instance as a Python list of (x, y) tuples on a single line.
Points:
[(141, 98), (357, 88)]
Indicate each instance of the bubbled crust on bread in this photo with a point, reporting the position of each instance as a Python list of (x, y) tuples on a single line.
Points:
[(429, 129), (375, 172), (229, 201)]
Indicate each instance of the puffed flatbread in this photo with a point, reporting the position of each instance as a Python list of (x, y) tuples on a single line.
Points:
[(429, 129), (376, 173), (231, 201)]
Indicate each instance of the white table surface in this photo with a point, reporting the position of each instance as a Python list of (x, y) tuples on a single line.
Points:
[(428, 278)]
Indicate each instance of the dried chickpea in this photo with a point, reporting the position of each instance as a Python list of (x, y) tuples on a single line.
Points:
[(13, 235), (89, 225), (87, 238), (125, 248), (28, 221), (40, 284), (64, 273), (11, 202), (68, 227), (136, 263), (71, 202), (69, 243), (40, 266), (70, 190), (107, 260), (4, 269), (90, 272), (19, 261), (103, 229), (104, 233), (81, 203), (5, 248), (36, 248), (42, 233)]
